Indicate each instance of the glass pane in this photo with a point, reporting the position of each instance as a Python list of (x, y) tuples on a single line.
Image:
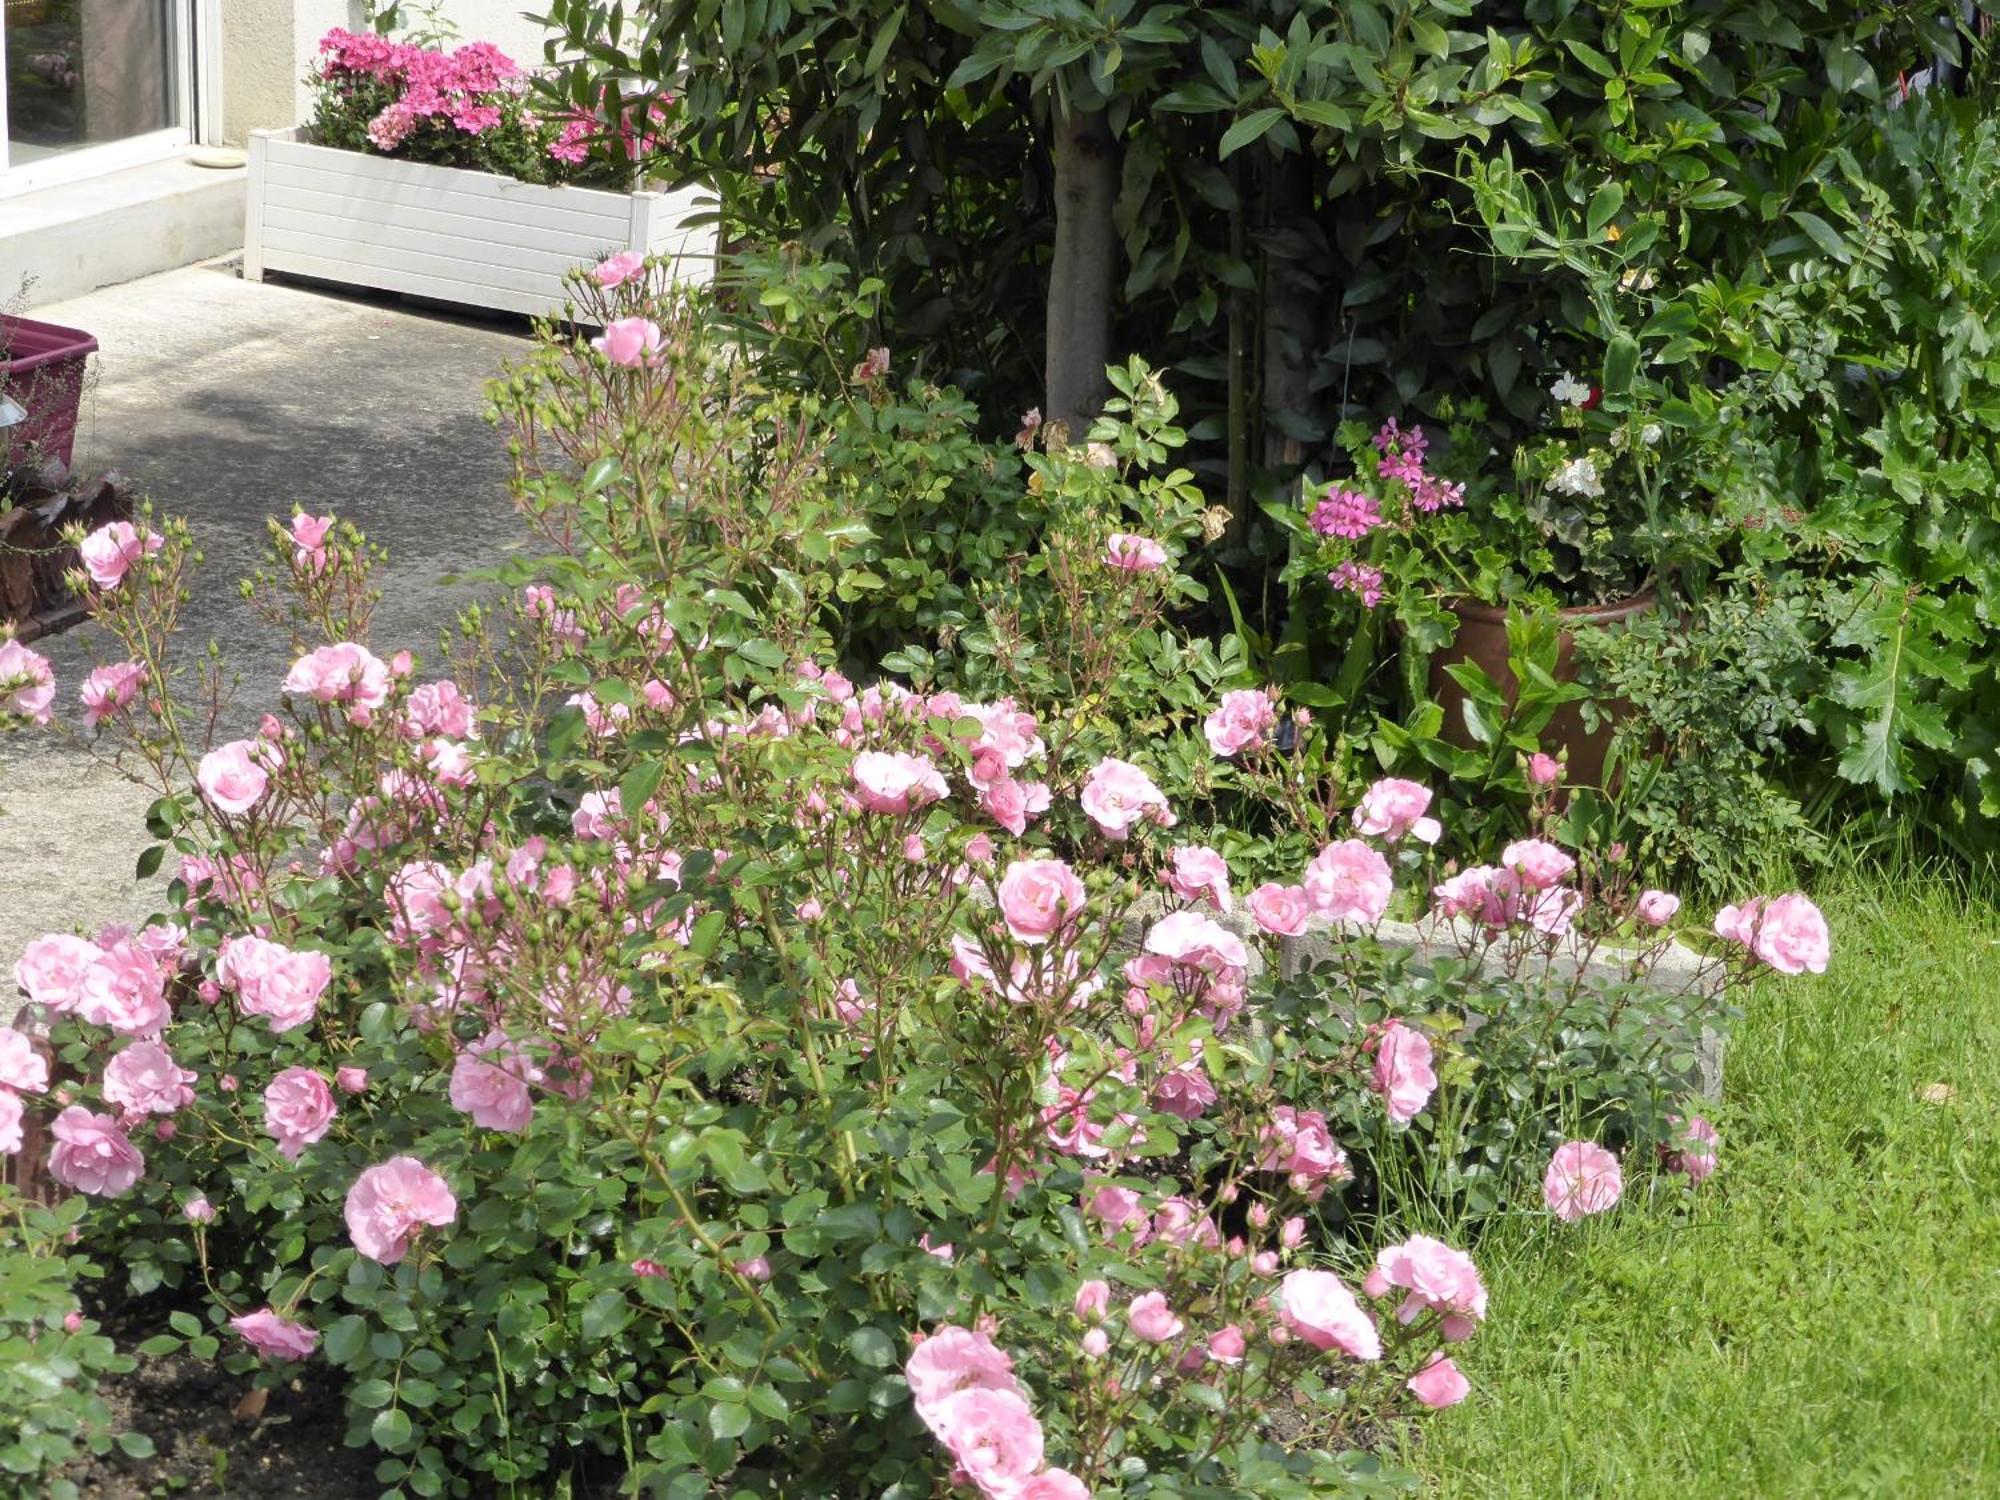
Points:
[(84, 72)]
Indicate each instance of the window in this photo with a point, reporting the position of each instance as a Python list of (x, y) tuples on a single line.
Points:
[(80, 75)]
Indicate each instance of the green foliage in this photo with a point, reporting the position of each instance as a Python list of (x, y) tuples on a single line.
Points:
[(50, 1409)]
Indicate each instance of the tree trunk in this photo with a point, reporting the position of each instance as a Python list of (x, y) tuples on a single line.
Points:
[(1291, 311), (1082, 271)]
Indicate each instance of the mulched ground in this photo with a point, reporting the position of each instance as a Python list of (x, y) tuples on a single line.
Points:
[(202, 1448)]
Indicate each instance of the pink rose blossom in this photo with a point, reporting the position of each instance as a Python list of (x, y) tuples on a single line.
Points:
[(756, 1268), (1039, 898), (389, 1203), (27, 683), (232, 777), (275, 1337), (1198, 941), (1657, 908), (109, 690), (440, 708), (1226, 1345), (350, 1080), (1152, 1320), (1436, 1277), (992, 1434), (298, 1108), (1544, 770), (1439, 1384), (1788, 933), (1539, 865), (1197, 873), (1318, 1308), (1583, 1178), (616, 270), (1117, 794), (198, 1210), (92, 1154), (630, 342), (109, 552), (11, 1111), (1696, 1157), (51, 970), (891, 782), (1298, 1143), (144, 1079), (125, 989), (952, 1361), (273, 981), (22, 1066), (1282, 910), (1095, 1343), (1117, 1207), (495, 1093), (1243, 720), (1349, 882), (1403, 1074), (1185, 1091), (1092, 1299), (342, 673), (1133, 554), (1393, 808), (1053, 1484)]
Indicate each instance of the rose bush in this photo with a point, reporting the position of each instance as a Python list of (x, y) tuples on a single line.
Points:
[(637, 1048)]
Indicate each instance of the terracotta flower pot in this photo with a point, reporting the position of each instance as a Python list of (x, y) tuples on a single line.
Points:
[(1482, 638)]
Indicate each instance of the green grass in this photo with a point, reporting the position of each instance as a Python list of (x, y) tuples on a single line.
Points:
[(1822, 1318)]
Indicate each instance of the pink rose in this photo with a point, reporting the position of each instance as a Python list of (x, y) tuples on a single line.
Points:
[(109, 690), (1133, 554), (11, 1111), (756, 1268), (616, 270), (1298, 1143), (1184, 1091), (1039, 898), (1551, 912), (440, 708), (1657, 908), (22, 1066), (1198, 941), (342, 673), (992, 1434), (275, 1337), (1403, 1075), (495, 1093), (1583, 1178), (1696, 1157), (231, 777), (1094, 1343), (1437, 1278), (1116, 1207), (1439, 1384), (1316, 1307), (109, 552), (92, 1154), (391, 1202), (891, 782), (1226, 1345), (1092, 1299), (1011, 803), (630, 342), (1540, 865), (1197, 873), (350, 1080), (1544, 770), (125, 989), (273, 981), (952, 1361), (1486, 894), (298, 1108), (198, 1210), (1282, 910), (1393, 808), (1152, 1320), (1243, 720), (144, 1079), (1788, 933), (1349, 882), (27, 683), (1118, 794), (1053, 1484)]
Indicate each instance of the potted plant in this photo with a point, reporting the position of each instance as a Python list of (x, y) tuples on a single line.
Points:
[(42, 370), (446, 174)]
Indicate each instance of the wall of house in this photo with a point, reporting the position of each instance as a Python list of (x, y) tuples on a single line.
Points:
[(267, 46)]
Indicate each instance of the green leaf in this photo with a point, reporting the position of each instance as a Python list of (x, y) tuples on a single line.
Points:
[(135, 1444), (390, 1429), (1604, 206), (872, 1347), (1823, 235), (605, 1314), (728, 1420), (344, 1341), (638, 786), (149, 861), (1251, 127)]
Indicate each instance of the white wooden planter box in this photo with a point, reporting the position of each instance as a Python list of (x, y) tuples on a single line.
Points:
[(447, 233)]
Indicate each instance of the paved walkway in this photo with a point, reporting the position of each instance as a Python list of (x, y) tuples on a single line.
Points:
[(226, 401)]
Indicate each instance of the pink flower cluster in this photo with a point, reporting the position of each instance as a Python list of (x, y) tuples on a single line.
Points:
[(389, 1205), (1243, 720), (964, 1388), (466, 87), (1526, 888), (27, 684), (1787, 932), (119, 982), (1346, 513)]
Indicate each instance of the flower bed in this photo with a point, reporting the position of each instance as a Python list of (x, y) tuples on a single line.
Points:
[(638, 1050)]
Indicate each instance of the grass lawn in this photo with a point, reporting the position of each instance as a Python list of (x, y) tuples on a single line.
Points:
[(1822, 1318)]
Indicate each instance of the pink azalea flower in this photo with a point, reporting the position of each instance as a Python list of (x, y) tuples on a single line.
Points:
[(1317, 1307), (275, 1337), (298, 1109), (1402, 1073), (1583, 1178), (389, 1203), (93, 1155)]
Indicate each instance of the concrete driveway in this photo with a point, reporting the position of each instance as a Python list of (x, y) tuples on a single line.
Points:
[(225, 402)]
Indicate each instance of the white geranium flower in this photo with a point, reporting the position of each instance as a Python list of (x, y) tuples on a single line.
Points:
[(1570, 391), (1578, 477)]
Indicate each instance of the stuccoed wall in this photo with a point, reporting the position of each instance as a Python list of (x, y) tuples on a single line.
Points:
[(267, 46)]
